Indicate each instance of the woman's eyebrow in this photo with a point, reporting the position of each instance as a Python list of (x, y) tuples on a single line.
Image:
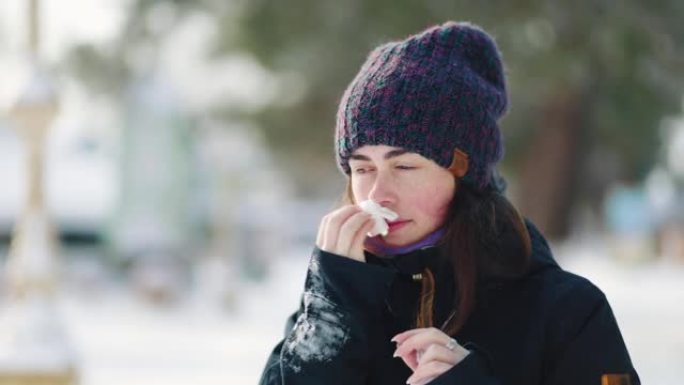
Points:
[(388, 155)]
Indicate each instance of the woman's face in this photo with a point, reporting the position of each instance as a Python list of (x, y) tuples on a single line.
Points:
[(411, 185)]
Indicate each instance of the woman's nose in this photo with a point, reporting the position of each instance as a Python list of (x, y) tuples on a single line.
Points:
[(383, 189)]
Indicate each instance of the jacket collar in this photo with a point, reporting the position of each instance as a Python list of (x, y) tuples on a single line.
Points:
[(413, 262)]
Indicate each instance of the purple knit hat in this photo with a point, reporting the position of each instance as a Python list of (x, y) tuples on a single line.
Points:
[(431, 93)]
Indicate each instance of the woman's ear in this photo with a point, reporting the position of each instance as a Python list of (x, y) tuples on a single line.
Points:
[(459, 164)]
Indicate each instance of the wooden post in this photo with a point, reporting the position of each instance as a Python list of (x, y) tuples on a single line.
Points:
[(40, 354)]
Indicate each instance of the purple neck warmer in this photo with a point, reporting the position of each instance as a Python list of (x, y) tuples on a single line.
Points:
[(382, 249)]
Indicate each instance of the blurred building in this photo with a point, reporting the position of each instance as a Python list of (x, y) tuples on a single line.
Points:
[(80, 182)]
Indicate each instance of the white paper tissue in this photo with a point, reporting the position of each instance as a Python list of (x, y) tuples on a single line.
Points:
[(380, 214)]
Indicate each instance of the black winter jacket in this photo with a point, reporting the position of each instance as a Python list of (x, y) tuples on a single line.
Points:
[(550, 327)]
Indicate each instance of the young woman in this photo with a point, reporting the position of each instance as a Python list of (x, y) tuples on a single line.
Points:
[(461, 290)]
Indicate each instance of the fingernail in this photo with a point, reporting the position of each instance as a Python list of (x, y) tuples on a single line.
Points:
[(396, 353)]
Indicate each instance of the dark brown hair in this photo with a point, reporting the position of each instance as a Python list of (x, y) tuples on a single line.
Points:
[(484, 237)]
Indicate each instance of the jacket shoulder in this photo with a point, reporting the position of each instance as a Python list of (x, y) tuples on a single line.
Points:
[(571, 303), (564, 285), (581, 332)]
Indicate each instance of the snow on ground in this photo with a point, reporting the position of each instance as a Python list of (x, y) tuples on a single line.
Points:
[(121, 340)]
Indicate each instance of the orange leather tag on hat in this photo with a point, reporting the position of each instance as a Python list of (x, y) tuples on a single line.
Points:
[(459, 163), (616, 379)]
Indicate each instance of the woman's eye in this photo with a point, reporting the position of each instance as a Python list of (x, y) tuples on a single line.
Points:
[(360, 170), (403, 167)]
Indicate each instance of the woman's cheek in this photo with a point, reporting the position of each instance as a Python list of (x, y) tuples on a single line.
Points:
[(443, 201), (435, 202)]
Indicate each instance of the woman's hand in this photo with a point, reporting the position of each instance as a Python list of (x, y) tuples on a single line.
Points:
[(343, 232), (429, 352)]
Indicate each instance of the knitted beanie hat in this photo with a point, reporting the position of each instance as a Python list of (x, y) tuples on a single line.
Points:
[(434, 92)]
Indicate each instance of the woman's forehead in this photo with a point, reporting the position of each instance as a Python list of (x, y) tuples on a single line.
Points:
[(380, 150)]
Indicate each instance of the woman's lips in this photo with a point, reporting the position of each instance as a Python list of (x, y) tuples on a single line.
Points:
[(396, 225)]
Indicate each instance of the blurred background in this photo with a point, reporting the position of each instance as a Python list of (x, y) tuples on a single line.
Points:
[(164, 165)]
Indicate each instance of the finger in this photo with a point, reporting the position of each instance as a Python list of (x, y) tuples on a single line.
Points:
[(320, 235), (421, 341), (425, 381), (332, 226), (356, 250), (410, 356), (431, 369), (410, 359), (399, 338), (436, 352), (322, 231), (348, 232)]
